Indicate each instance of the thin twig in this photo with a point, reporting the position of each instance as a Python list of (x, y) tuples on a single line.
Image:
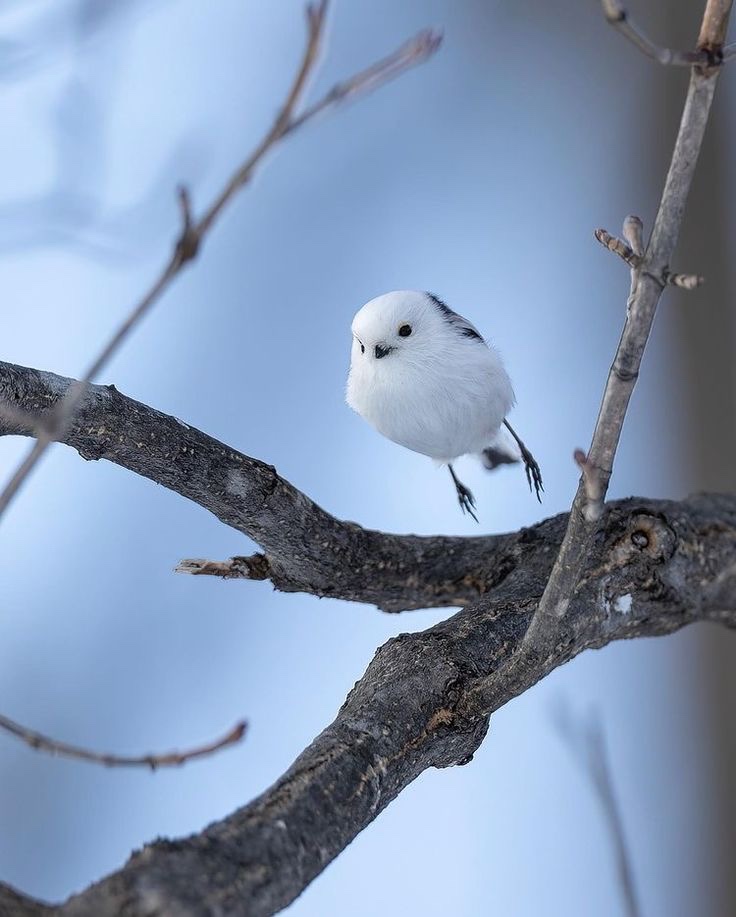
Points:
[(634, 233), (415, 50), (255, 567), (588, 741), (684, 281), (635, 259), (714, 25), (619, 18), (593, 509), (169, 759), (618, 247), (649, 277), (193, 232)]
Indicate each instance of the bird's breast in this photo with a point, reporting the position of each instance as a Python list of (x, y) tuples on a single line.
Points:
[(432, 411)]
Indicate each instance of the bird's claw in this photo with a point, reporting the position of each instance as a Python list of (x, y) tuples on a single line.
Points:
[(466, 500), (533, 472)]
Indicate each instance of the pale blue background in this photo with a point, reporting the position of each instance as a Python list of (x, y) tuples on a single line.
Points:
[(480, 176)]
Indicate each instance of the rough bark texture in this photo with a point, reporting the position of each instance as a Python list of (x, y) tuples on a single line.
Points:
[(425, 699), (306, 549)]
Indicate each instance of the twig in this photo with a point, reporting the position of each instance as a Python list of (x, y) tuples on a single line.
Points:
[(649, 277), (618, 247), (588, 741), (193, 232), (255, 567), (683, 281), (714, 25), (593, 509), (620, 19), (169, 759), (634, 233), (417, 49), (635, 260)]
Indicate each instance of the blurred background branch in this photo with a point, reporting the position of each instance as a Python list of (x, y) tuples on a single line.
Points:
[(153, 761), (587, 741), (193, 232)]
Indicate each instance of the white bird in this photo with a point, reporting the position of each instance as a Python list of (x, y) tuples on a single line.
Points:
[(424, 377)]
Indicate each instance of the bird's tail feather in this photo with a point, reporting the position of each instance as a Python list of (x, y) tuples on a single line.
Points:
[(502, 450)]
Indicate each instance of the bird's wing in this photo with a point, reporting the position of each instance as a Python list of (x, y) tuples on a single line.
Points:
[(462, 325)]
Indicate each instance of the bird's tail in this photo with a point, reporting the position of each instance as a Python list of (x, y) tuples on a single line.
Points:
[(502, 450)]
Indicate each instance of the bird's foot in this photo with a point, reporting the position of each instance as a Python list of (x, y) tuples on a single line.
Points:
[(466, 499), (533, 471)]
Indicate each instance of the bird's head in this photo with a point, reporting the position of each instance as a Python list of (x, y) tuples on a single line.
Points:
[(395, 325)]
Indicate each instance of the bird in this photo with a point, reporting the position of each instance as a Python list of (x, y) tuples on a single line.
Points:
[(424, 377)]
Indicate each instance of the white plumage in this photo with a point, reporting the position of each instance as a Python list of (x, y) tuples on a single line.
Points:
[(423, 376)]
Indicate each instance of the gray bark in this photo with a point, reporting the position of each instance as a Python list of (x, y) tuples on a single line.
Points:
[(426, 698)]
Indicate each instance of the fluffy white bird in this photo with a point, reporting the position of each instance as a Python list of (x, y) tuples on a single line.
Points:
[(424, 377)]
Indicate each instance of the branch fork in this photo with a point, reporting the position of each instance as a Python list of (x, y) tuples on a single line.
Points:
[(708, 56), (636, 260)]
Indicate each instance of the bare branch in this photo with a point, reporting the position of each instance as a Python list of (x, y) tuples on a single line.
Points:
[(424, 702), (619, 248), (634, 234), (40, 742), (715, 25), (649, 277), (414, 51), (593, 509), (620, 19), (684, 281), (305, 548), (587, 740), (635, 259), (255, 567), (193, 232)]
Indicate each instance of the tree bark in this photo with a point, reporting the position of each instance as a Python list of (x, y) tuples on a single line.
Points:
[(425, 699)]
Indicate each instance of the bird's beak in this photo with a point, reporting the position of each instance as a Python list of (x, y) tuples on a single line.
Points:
[(381, 350)]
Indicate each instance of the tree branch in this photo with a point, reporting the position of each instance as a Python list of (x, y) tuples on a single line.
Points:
[(710, 51), (587, 740), (193, 232), (41, 742), (649, 277), (424, 701), (306, 549)]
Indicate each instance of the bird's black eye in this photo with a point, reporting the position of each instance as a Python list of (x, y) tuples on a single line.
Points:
[(405, 331), (362, 347)]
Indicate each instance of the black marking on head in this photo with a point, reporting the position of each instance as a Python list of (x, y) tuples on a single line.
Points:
[(460, 324)]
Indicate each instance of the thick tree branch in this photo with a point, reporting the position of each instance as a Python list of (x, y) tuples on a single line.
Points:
[(306, 549), (649, 278), (424, 701)]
